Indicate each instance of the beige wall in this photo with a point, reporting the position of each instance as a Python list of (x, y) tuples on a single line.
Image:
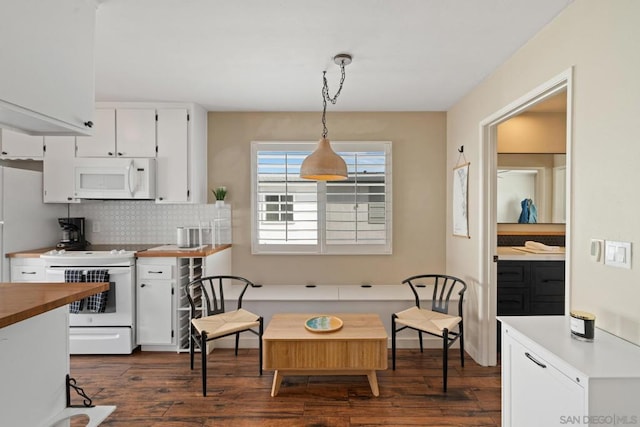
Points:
[(600, 39), (533, 133), (419, 168)]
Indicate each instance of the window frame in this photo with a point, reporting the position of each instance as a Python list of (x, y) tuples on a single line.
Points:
[(321, 247)]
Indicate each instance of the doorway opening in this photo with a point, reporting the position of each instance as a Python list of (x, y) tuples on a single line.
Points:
[(489, 147)]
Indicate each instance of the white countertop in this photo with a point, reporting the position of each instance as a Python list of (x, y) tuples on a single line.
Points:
[(509, 253), (608, 356)]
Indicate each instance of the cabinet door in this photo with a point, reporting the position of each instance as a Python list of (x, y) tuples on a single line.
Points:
[(103, 141), (513, 274), (135, 132), (172, 175), (535, 393), (155, 312), (47, 84), (57, 169), (547, 287), (16, 145)]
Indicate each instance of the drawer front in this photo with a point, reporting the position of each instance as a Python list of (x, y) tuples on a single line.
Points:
[(27, 273), (513, 274), (161, 272), (513, 302), (547, 280)]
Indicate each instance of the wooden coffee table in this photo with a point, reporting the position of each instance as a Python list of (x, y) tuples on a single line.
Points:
[(358, 348)]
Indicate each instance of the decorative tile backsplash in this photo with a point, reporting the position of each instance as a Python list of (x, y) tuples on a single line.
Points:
[(130, 222)]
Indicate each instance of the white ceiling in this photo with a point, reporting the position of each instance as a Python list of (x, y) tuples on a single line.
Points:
[(268, 55)]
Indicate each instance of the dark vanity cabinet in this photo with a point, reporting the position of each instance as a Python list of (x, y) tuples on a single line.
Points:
[(530, 288)]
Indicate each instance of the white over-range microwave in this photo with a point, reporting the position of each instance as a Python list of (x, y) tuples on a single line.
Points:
[(122, 178)]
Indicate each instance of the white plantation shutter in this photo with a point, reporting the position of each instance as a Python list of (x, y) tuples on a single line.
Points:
[(294, 215)]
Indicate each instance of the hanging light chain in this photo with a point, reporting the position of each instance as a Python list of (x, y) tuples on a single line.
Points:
[(326, 97)]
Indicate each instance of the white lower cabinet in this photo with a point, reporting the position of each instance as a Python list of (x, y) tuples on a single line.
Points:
[(552, 379), (27, 270), (163, 312), (161, 316)]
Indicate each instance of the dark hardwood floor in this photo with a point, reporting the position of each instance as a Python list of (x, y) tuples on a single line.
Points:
[(159, 389)]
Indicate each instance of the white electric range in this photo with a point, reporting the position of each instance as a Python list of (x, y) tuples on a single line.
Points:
[(103, 324)]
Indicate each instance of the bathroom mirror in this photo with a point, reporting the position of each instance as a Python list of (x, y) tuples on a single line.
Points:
[(531, 188)]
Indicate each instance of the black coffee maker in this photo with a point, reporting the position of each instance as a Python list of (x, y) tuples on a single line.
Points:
[(72, 234)]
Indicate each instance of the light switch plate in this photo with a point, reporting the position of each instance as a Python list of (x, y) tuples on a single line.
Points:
[(596, 250), (617, 254)]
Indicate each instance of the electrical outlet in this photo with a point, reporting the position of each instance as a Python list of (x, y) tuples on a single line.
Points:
[(96, 227)]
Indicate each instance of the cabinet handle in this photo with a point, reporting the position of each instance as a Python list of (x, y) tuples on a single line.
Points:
[(28, 272), (154, 272), (120, 154), (88, 124), (4, 153), (110, 153), (142, 285), (533, 359)]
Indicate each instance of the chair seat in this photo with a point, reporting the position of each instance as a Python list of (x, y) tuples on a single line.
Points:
[(427, 320), (227, 323)]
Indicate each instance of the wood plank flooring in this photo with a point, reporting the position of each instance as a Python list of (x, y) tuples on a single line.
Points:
[(154, 389)]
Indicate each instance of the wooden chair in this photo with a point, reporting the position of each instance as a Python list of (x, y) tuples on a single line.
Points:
[(210, 320), (437, 321)]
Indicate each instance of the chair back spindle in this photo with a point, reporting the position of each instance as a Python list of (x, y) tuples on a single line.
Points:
[(443, 288)]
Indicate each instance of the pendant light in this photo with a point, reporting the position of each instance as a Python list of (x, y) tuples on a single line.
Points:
[(324, 164)]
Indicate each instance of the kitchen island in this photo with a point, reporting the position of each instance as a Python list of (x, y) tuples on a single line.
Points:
[(34, 351)]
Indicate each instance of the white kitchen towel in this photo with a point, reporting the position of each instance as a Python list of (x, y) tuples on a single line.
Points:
[(97, 303), (540, 246), (75, 276)]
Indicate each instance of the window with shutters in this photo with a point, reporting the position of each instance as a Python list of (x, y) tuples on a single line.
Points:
[(297, 216)]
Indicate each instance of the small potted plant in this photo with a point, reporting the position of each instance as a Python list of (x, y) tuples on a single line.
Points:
[(220, 193)]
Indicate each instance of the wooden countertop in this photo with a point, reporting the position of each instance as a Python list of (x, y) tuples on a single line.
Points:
[(172, 251), (142, 251), (20, 301)]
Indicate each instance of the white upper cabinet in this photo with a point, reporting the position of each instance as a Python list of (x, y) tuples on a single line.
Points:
[(120, 133), (172, 178), (17, 145), (103, 141), (57, 170), (182, 154), (135, 132), (47, 84)]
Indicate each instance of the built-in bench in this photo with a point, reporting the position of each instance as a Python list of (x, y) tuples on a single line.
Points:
[(324, 299)]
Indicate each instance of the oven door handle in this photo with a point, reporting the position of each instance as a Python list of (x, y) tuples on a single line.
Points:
[(59, 271)]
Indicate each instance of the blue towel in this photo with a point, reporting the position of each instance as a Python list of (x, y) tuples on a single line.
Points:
[(524, 215)]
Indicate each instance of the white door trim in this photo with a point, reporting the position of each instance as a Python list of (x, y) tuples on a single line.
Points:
[(488, 229)]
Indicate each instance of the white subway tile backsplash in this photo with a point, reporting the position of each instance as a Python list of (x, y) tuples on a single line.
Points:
[(130, 222)]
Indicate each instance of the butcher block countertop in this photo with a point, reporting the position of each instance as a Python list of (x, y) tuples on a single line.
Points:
[(172, 251), (142, 250), (20, 301)]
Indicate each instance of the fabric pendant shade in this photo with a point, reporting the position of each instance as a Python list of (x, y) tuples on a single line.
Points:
[(324, 164)]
